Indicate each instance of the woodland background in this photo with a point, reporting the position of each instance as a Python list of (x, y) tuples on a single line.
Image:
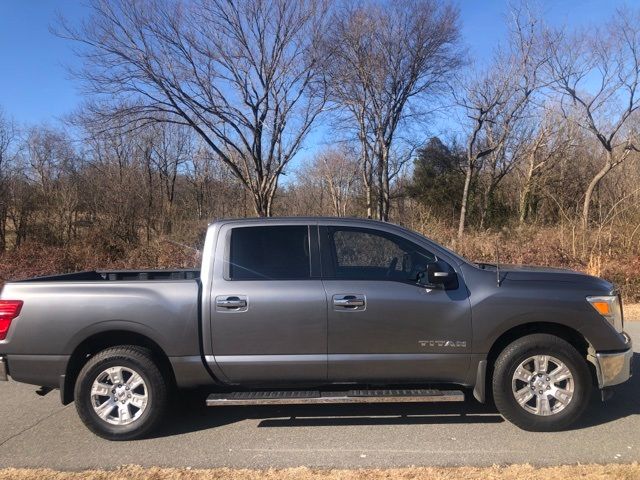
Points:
[(203, 109)]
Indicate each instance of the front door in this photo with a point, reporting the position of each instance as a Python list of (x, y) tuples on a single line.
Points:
[(382, 325), (268, 309)]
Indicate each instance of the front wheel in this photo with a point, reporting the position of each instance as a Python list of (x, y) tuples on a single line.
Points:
[(541, 383), (120, 393)]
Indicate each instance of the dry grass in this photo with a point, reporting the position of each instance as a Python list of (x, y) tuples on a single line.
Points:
[(615, 257), (513, 472), (632, 312)]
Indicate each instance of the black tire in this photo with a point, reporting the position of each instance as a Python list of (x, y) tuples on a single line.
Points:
[(519, 351), (136, 359)]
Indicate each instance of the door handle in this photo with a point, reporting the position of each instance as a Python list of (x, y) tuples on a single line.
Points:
[(349, 301), (231, 302)]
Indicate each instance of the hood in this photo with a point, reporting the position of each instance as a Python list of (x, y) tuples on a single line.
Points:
[(529, 273), (537, 269)]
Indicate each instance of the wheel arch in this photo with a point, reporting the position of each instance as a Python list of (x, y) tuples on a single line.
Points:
[(570, 335), (102, 340)]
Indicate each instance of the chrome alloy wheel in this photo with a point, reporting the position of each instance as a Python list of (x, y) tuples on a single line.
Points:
[(543, 385), (119, 395)]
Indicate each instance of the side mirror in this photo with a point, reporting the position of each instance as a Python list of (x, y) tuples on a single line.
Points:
[(438, 274)]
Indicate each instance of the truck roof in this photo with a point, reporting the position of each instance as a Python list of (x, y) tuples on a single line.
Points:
[(352, 221), (305, 219)]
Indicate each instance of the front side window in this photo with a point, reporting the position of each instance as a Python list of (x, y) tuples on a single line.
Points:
[(363, 254), (269, 253)]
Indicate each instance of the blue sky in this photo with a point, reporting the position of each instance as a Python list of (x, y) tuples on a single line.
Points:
[(35, 86)]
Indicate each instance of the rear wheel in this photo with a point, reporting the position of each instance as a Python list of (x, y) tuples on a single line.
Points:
[(541, 383), (120, 393)]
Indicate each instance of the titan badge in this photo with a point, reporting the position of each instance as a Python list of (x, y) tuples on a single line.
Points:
[(442, 343)]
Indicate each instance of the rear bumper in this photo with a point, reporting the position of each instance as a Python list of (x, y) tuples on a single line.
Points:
[(613, 368), (4, 370), (41, 370)]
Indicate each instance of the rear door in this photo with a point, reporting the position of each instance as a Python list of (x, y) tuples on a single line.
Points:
[(382, 325), (269, 323)]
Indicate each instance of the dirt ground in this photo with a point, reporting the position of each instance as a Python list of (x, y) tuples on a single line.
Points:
[(513, 472), (519, 472)]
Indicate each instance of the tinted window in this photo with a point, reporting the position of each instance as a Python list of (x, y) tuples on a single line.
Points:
[(362, 254), (269, 253)]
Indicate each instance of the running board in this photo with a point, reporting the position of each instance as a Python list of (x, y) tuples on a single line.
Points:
[(298, 397)]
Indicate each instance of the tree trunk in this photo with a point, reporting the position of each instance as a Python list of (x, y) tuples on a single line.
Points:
[(3, 230), (526, 192), (385, 196), (592, 186), (368, 192), (380, 176), (149, 219), (261, 205), (335, 197), (486, 200), (465, 199), (366, 169), (336, 206), (3, 237), (4, 214)]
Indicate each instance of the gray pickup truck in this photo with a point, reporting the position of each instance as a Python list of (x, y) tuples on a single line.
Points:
[(316, 310)]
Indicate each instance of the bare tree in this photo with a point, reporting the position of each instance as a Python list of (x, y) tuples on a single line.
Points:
[(8, 138), (171, 150), (118, 196), (388, 59), (552, 141), (597, 73), (213, 188), (51, 166), (240, 74), (511, 147), (537, 155), (338, 171), (495, 102)]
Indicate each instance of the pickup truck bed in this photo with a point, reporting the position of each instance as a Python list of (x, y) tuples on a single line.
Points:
[(79, 309), (115, 275)]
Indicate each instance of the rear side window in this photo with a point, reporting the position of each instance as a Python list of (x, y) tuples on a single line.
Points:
[(270, 253)]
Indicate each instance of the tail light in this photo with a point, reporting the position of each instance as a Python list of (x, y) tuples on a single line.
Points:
[(9, 309)]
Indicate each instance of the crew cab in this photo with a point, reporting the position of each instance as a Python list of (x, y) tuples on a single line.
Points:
[(326, 310)]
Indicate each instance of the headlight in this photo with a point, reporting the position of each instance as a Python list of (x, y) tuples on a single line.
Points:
[(609, 307)]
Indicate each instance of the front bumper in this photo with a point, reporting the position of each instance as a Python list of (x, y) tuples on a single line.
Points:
[(613, 368), (4, 370)]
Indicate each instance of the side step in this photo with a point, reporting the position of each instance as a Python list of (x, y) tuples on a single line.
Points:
[(297, 397)]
